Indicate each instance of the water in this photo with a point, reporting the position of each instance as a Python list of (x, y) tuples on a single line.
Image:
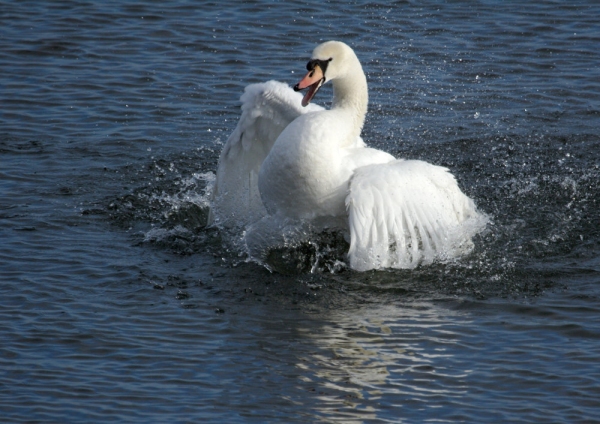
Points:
[(116, 304)]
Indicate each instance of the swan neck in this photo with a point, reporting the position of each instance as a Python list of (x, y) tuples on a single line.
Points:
[(351, 94)]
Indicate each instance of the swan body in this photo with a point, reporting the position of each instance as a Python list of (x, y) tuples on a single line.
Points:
[(290, 160)]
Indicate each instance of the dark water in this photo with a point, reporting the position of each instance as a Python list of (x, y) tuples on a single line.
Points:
[(116, 304)]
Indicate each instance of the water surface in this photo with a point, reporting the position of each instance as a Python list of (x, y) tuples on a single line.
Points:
[(117, 304)]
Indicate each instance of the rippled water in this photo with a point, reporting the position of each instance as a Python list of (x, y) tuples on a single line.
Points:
[(117, 304)]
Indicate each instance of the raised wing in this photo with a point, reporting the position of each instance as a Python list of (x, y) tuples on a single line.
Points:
[(408, 212), (267, 108)]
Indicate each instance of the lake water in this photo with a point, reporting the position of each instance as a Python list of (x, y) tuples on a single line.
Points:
[(117, 305)]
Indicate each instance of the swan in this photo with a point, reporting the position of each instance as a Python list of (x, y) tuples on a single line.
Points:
[(289, 160)]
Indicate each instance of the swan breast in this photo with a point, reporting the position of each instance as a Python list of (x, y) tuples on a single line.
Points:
[(303, 176)]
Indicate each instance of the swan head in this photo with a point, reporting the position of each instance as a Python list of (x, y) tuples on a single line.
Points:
[(329, 61)]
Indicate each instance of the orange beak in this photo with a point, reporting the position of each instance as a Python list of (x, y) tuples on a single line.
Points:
[(313, 81)]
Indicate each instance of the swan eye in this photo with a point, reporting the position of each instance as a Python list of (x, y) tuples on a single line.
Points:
[(310, 66)]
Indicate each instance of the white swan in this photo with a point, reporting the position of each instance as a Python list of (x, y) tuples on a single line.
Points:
[(288, 159)]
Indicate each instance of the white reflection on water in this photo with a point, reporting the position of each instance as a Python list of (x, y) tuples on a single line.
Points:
[(375, 360)]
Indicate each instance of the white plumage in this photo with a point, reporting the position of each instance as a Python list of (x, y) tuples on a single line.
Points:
[(428, 220), (267, 109), (288, 163)]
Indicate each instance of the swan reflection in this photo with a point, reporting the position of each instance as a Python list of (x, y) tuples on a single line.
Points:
[(374, 360)]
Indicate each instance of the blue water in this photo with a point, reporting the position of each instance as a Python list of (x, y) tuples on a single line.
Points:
[(117, 304)]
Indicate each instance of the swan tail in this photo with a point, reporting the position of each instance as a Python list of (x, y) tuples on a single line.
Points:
[(407, 212)]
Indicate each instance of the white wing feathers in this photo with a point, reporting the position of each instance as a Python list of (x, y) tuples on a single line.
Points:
[(267, 108), (405, 213), (400, 213)]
